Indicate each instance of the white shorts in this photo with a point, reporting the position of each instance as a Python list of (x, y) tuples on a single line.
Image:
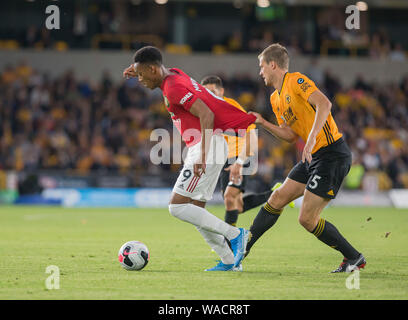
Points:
[(202, 188)]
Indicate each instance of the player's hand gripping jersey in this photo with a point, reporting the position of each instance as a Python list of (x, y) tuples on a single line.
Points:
[(291, 107), (180, 92)]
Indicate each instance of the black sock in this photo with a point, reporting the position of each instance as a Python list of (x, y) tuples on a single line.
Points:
[(231, 217), (254, 200), (266, 218), (328, 234)]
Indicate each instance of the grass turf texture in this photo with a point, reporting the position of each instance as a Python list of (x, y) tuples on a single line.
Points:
[(286, 263)]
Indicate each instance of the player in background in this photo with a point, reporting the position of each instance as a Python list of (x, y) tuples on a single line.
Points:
[(198, 114), (302, 110), (233, 193)]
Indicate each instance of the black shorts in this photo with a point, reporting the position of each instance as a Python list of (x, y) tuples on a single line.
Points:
[(224, 177), (325, 174)]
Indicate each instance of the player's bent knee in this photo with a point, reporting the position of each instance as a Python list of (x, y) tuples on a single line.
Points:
[(303, 221), (177, 209), (307, 222), (277, 200), (231, 197), (229, 200)]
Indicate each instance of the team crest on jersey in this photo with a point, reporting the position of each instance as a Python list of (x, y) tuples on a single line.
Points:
[(287, 98), (300, 80)]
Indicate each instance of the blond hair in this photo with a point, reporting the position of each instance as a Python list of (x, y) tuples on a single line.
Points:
[(277, 53)]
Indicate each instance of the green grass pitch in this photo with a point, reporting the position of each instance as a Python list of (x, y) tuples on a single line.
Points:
[(286, 263)]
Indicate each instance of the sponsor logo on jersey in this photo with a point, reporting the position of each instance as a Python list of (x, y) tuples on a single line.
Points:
[(195, 85), (184, 99), (304, 86), (289, 117)]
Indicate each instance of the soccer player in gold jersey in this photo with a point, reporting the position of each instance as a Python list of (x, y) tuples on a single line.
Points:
[(302, 110), (232, 191)]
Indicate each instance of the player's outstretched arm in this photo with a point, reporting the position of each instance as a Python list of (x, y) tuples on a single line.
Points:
[(283, 131)]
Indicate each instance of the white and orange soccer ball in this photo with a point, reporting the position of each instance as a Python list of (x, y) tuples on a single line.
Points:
[(133, 255)]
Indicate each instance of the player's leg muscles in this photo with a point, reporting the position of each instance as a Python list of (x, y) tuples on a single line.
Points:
[(312, 206), (240, 202), (231, 201), (200, 204), (326, 232), (179, 199), (231, 197), (270, 212), (290, 190)]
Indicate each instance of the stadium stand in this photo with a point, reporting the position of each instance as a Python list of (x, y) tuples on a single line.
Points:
[(72, 124)]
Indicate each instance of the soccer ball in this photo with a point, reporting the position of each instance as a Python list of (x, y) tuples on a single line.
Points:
[(133, 255)]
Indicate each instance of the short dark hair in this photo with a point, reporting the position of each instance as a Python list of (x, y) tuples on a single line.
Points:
[(212, 80), (148, 54)]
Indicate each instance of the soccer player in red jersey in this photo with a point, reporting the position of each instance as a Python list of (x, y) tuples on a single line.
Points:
[(198, 115)]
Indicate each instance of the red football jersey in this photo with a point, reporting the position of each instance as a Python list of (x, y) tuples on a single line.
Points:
[(180, 92)]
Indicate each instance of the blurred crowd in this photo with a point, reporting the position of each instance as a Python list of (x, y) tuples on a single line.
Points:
[(327, 33), (72, 124), (376, 42), (330, 40), (377, 45), (68, 123)]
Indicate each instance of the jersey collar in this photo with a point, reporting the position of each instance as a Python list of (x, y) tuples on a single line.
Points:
[(283, 82), (174, 71)]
